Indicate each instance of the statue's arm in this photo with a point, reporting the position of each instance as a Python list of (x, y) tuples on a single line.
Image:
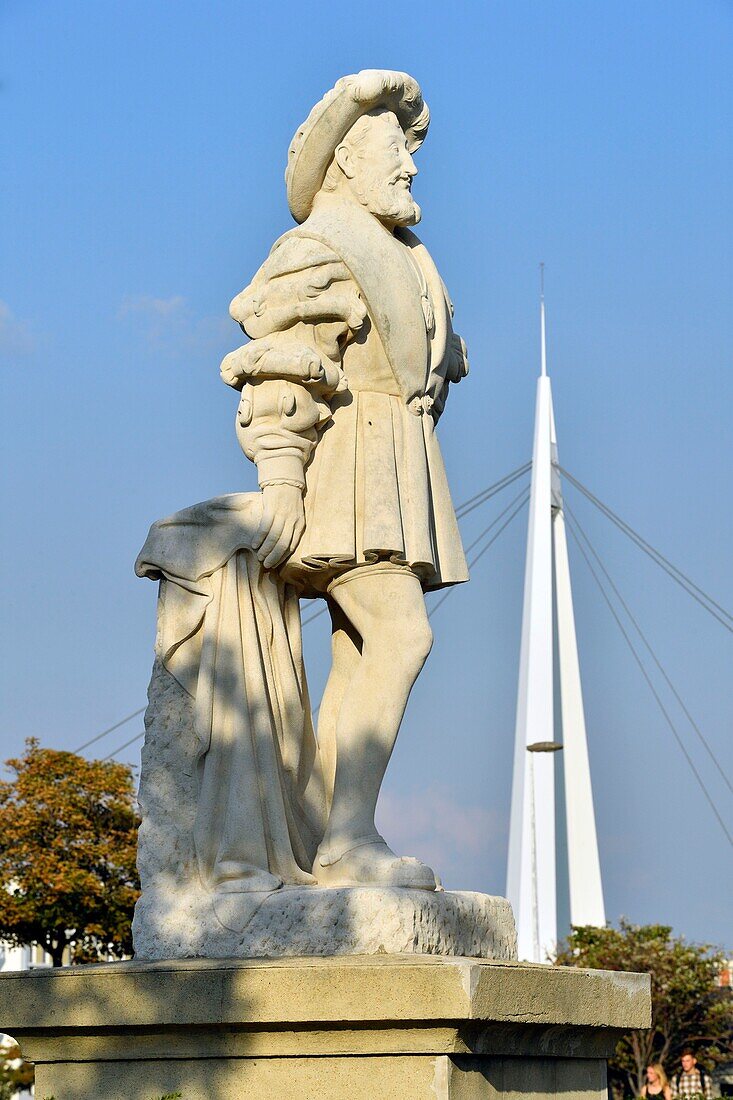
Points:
[(277, 424), (456, 369), (301, 309)]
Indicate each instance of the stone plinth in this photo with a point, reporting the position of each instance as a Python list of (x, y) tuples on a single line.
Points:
[(369, 1028)]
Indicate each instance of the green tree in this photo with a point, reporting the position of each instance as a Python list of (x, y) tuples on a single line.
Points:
[(68, 833), (688, 1006)]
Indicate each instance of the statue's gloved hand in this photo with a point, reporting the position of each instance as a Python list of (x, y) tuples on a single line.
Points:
[(282, 523)]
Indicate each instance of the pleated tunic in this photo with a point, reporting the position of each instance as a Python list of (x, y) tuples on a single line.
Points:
[(376, 489), (375, 482)]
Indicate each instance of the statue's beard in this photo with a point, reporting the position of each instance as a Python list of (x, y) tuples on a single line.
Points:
[(389, 200)]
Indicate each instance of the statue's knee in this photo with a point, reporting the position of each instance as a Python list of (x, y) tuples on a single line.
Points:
[(424, 641), (411, 645)]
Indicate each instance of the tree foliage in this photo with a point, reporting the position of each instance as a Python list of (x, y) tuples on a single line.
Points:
[(15, 1072), (68, 834), (688, 1006)]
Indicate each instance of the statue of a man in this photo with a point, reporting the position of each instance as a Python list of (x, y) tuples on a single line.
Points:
[(351, 354)]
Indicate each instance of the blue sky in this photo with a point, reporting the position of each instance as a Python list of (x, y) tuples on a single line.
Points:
[(142, 187)]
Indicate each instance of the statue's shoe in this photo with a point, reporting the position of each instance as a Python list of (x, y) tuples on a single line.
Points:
[(368, 861), (242, 878)]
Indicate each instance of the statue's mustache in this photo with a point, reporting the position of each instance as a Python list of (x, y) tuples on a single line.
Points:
[(400, 177)]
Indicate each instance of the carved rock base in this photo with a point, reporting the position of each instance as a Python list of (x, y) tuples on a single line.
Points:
[(309, 920)]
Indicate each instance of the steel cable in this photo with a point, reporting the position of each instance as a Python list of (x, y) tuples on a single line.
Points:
[(676, 574), (481, 498), (648, 646), (109, 729), (121, 747), (650, 683), (483, 550)]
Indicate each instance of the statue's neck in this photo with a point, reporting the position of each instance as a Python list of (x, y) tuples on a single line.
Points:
[(344, 200)]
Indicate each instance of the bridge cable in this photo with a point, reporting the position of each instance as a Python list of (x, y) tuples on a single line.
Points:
[(650, 683), (522, 493), (676, 574), (109, 730), (482, 551), (481, 498), (121, 747), (657, 662)]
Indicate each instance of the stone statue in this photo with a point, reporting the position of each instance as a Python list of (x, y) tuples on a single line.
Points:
[(351, 356), (257, 838), (347, 371)]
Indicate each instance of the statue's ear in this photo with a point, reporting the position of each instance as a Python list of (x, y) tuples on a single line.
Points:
[(344, 157)]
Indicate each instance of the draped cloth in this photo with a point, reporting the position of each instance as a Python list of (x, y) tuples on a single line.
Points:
[(229, 632)]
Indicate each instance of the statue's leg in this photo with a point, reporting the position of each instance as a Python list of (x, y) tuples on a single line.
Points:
[(385, 606), (345, 657)]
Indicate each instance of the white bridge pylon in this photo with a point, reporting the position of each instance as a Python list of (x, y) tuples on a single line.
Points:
[(548, 628)]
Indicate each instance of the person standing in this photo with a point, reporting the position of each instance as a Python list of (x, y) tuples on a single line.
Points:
[(656, 1082), (691, 1079)]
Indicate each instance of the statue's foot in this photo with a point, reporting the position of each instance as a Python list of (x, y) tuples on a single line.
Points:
[(368, 861), (241, 878)]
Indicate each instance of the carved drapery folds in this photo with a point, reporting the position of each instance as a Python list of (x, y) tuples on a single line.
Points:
[(229, 632)]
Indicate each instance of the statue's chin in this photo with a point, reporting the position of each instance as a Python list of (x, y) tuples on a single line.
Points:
[(413, 217), (392, 204), (402, 214)]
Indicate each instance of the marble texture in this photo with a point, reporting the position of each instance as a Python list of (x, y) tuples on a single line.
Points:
[(351, 357)]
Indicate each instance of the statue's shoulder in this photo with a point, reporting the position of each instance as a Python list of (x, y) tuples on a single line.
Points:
[(352, 234), (303, 279), (297, 250), (293, 258)]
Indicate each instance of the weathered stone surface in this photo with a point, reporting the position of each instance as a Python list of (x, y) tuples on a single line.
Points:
[(178, 918), (255, 993), (168, 788), (313, 921), (365, 1077), (382, 1026)]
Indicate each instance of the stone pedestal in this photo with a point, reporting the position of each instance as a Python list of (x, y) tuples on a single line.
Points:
[(363, 1028)]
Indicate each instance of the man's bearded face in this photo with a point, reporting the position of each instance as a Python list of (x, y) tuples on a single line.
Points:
[(384, 169)]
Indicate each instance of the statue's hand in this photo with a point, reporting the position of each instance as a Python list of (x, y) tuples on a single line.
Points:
[(282, 523)]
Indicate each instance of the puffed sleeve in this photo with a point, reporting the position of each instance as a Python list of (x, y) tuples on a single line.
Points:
[(301, 310)]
